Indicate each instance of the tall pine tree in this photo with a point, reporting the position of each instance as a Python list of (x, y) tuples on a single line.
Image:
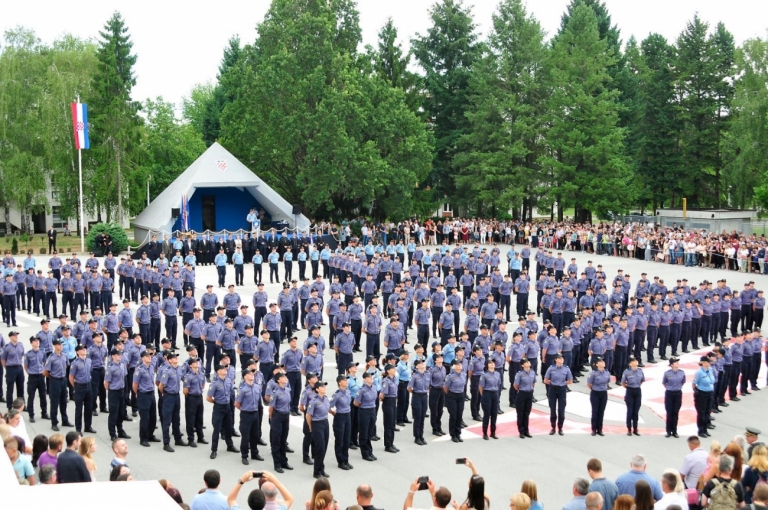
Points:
[(447, 53), (115, 124), (499, 158), (391, 65), (586, 145)]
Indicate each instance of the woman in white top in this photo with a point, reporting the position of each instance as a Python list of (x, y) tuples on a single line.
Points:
[(87, 448), (18, 429)]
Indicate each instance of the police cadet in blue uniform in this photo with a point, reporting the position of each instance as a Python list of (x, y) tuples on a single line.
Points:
[(454, 387), (317, 420), (56, 370), (489, 387), (144, 388), (114, 382), (388, 398), (194, 384), (418, 386), (80, 378), (170, 387), (557, 377), (366, 402), (341, 402), (673, 381), (279, 415), (597, 383), (34, 362), (97, 353), (219, 394), (436, 394), (632, 378), (12, 357), (345, 342), (220, 261), (247, 401)]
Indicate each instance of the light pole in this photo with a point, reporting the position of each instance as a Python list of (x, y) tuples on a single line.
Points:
[(149, 178)]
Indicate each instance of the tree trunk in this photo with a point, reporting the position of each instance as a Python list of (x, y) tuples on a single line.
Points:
[(119, 190)]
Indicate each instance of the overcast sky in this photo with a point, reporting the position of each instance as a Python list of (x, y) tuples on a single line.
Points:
[(180, 43)]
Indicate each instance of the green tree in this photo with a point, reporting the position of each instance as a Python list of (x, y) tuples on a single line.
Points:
[(170, 146), (115, 125), (212, 109), (195, 107), (499, 158), (586, 148), (312, 119), (447, 54), (391, 64), (703, 65), (746, 142), (658, 167)]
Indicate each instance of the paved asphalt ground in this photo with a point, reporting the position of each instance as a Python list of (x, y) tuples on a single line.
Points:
[(552, 461)]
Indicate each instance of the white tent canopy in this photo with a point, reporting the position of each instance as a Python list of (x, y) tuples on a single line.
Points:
[(215, 168)]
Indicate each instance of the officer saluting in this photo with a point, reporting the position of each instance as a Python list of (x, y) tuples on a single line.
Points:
[(673, 381)]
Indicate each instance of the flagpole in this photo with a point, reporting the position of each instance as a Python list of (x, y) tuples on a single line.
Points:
[(80, 182)]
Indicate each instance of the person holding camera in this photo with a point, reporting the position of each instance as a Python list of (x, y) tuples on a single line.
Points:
[(265, 497), (441, 496)]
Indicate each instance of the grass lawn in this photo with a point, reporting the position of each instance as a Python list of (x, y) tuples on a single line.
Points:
[(38, 243)]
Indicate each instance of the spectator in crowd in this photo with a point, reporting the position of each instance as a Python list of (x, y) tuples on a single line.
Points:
[(601, 484), (117, 471), (476, 496), (695, 462), (50, 457), (593, 501), (271, 486), (529, 488), (18, 429), (39, 447), (324, 501), (212, 498), (624, 502), (735, 451), (71, 466), (321, 484), (125, 478), (643, 496), (441, 497), (760, 497), (47, 475), (364, 496), (521, 501), (21, 464), (120, 449), (626, 482), (175, 495), (723, 478), (757, 471), (671, 495), (86, 450), (580, 489)]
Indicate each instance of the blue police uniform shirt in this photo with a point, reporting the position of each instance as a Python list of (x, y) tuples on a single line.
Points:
[(34, 361), (81, 371), (419, 382), (366, 396), (633, 378), (704, 379), (281, 400), (558, 375), (194, 382), (56, 365), (673, 380), (318, 408), (342, 401), (220, 390), (171, 380), (490, 381), (115, 375), (143, 378), (454, 382), (12, 354), (248, 396), (599, 379), (525, 379)]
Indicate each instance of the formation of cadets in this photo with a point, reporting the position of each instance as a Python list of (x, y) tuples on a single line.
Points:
[(111, 361)]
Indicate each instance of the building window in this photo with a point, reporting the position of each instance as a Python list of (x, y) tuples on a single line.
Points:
[(58, 222)]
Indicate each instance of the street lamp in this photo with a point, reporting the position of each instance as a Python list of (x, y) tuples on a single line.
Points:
[(149, 178)]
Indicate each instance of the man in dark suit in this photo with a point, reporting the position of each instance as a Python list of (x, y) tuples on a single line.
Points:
[(153, 249), (190, 245), (201, 251), (52, 239), (71, 466), (166, 247)]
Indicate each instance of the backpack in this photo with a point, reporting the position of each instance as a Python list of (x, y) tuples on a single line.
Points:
[(723, 495)]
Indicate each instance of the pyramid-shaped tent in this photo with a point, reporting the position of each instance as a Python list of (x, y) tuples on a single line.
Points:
[(220, 191)]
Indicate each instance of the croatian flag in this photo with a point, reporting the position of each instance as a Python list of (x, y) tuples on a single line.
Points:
[(80, 123)]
